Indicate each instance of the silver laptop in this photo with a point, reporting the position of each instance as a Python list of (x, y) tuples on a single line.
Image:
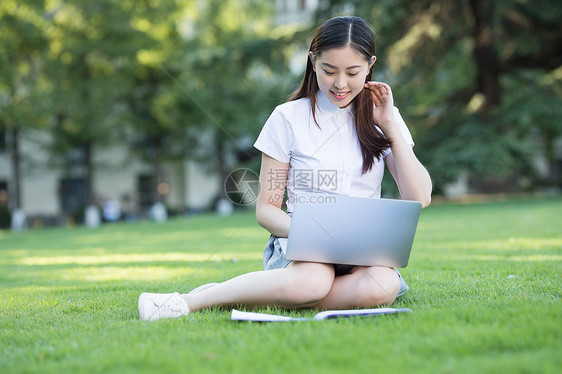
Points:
[(340, 229)]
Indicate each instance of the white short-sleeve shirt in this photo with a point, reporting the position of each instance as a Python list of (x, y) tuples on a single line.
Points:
[(321, 158)]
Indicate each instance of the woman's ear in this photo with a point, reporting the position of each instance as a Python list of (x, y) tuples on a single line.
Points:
[(373, 59), (311, 57)]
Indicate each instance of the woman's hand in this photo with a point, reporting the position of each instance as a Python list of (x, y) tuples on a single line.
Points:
[(383, 112), (412, 179)]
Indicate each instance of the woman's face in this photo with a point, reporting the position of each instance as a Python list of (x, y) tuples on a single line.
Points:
[(341, 74)]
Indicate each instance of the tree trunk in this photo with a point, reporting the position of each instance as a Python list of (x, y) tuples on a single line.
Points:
[(158, 174), (89, 182), (222, 168), (549, 137), (15, 153), (485, 55)]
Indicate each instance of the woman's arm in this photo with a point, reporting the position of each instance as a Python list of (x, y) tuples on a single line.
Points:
[(411, 177), (273, 179)]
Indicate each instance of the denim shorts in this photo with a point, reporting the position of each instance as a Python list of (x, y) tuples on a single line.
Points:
[(274, 258)]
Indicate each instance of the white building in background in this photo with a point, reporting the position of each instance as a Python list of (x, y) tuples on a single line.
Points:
[(47, 192)]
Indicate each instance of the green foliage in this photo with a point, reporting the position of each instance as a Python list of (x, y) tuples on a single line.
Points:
[(92, 49), (485, 295), (204, 90), (427, 53), (235, 70), (22, 53)]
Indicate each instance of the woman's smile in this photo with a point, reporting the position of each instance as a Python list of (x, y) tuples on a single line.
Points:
[(340, 95)]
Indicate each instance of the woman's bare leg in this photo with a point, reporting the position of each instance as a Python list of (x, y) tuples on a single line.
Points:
[(299, 284), (364, 287)]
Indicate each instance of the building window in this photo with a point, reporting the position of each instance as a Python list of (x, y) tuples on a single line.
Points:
[(146, 187), (557, 172), (73, 195), (5, 216), (4, 194), (3, 141)]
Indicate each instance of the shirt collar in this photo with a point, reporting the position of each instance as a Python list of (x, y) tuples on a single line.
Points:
[(325, 109)]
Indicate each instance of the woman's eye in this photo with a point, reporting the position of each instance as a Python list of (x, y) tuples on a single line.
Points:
[(352, 74), (329, 72)]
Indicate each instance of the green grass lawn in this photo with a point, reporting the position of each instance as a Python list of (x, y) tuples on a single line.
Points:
[(485, 290)]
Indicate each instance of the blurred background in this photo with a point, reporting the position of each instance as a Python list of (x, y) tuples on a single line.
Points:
[(131, 109)]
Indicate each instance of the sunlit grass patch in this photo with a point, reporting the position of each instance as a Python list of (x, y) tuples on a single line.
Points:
[(133, 258)]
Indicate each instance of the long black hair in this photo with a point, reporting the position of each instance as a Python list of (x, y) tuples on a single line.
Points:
[(339, 32)]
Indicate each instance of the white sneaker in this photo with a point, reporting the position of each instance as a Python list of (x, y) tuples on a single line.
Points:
[(153, 306)]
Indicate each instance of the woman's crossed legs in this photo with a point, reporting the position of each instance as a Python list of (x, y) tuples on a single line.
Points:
[(303, 284)]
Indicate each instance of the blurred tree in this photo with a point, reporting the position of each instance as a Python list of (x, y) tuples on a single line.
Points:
[(157, 125), (233, 71), (22, 83), (479, 81), (201, 90), (93, 51)]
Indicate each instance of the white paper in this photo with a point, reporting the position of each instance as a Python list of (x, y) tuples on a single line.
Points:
[(238, 315), (358, 312)]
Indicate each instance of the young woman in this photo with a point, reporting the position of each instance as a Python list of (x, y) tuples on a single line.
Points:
[(337, 122)]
